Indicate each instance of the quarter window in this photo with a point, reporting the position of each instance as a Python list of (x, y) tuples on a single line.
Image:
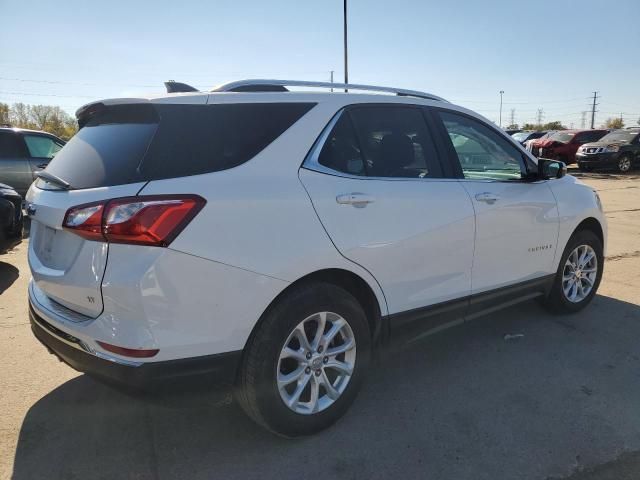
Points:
[(341, 151), (483, 154)]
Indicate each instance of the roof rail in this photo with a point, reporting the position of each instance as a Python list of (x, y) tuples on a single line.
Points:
[(261, 85)]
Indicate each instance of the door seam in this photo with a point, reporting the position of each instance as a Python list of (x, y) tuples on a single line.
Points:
[(336, 248)]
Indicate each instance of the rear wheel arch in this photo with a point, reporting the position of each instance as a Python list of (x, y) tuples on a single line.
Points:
[(345, 279)]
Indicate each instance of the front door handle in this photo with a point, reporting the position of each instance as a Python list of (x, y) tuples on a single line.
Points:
[(487, 197), (43, 165), (359, 200)]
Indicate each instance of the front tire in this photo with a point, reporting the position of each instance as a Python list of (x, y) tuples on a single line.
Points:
[(624, 164), (304, 364), (579, 274)]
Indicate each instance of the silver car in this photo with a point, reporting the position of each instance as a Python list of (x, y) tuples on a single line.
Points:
[(23, 153)]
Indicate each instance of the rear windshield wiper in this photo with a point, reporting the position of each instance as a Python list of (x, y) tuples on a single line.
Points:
[(51, 178)]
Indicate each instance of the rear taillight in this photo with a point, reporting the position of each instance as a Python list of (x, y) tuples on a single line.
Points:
[(85, 220), (148, 220)]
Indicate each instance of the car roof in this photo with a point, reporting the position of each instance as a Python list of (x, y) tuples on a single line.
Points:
[(580, 130), (261, 90), (28, 130)]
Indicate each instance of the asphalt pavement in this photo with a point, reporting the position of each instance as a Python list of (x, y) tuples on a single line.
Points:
[(558, 397)]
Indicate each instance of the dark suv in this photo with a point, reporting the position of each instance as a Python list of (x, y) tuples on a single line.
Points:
[(23, 153), (10, 218), (619, 150)]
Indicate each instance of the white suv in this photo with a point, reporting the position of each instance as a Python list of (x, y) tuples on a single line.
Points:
[(273, 239)]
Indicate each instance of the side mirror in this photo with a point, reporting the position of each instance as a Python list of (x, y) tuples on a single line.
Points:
[(551, 169)]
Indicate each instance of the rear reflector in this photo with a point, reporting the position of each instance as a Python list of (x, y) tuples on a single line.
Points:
[(128, 352), (154, 220)]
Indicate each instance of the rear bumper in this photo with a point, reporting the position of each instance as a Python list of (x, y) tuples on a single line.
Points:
[(197, 372)]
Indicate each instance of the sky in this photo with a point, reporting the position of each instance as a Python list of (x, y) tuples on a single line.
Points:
[(548, 54)]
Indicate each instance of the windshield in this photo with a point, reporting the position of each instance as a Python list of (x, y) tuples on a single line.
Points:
[(626, 136), (521, 136), (563, 137)]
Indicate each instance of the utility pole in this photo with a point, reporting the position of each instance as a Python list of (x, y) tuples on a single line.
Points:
[(593, 110), (501, 93), (512, 117), (332, 79), (346, 61), (539, 116), (583, 119)]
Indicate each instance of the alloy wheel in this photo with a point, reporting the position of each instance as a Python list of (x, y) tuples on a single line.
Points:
[(624, 164), (316, 363), (579, 273)]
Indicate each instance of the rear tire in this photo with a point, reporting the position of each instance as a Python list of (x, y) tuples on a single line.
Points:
[(277, 352), (579, 274)]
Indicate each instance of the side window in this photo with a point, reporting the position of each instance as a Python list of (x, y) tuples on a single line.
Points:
[(581, 138), (395, 142), (12, 146), (41, 147), (595, 136), (482, 153), (386, 141)]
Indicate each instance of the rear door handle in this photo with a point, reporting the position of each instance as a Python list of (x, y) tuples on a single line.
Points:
[(359, 200), (487, 197)]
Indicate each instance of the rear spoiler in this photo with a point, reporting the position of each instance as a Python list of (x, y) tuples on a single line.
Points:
[(84, 113)]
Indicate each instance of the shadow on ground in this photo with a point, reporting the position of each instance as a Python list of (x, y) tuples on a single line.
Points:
[(8, 275), (463, 404)]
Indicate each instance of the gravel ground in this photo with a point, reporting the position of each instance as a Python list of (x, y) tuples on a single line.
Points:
[(559, 402)]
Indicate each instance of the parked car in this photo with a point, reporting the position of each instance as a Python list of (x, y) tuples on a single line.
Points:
[(10, 218), (276, 240), (563, 144), (619, 149), (511, 131), (23, 153), (528, 144), (526, 135)]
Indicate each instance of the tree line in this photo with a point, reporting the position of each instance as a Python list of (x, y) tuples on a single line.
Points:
[(48, 118)]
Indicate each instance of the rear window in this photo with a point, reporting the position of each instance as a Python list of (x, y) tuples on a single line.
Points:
[(134, 143)]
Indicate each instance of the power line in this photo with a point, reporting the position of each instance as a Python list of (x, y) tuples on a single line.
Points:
[(593, 110), (46, 95)]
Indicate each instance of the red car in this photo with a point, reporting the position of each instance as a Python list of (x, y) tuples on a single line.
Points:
[(563, 144)]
